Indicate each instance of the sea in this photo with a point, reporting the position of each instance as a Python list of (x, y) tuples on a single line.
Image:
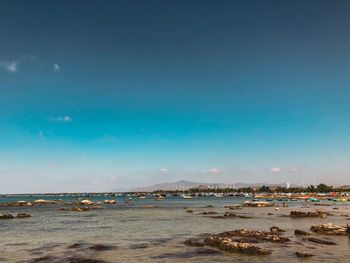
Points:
[(149, 230)]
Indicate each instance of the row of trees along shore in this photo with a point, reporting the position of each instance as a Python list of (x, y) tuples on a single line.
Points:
[(321, 188)]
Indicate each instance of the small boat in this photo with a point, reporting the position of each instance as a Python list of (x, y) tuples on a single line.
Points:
[(187, 196), (313, 199)]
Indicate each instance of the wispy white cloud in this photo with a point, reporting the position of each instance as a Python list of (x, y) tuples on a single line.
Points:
[(293, 169), (65, 118), (213, 171), (164, 170), (56, 68), (9, 66), (276, 169)]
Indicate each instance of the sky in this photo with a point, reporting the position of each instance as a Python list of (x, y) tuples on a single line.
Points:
[(111, 95)]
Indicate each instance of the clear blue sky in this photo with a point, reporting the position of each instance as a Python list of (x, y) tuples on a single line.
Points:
[(102, 95)]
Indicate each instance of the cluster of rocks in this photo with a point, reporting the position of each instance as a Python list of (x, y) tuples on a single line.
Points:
[(110, 202), (18, 203), (10, 216), (319, 241), (303, 254), (46, 202), (209, 213), (241, 241), (27, 203), (318, 213), (227, 244), (233, 207), (258, 204), (80, 208), (329, 229), (230, 215)]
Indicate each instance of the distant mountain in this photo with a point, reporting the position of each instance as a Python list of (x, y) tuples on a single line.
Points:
[(185, 185)]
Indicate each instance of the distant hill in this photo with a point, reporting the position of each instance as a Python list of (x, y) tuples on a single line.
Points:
[(184, 185)]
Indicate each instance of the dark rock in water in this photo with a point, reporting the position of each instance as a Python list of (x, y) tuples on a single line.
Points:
[(276, 229), (301, 232), (138, 246), (230, 215), (227, 244), (189, 211), (244, 216), (258, 204), (75, 245), (319, 241), (303, 254), (101, 247), (260, 235), (194, 243), (80, 208), (330, 229), (23, 215), (208, 206), (6, 216), (270, 214), (233, 207), (43, 259), (295, 214), (247, 240), (209, 213)]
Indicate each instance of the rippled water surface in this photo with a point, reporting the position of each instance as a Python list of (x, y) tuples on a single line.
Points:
[(132, 233)]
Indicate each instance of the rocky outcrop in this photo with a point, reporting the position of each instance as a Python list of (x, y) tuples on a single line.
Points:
[(23, 215), (23, 203), (230, 215), (189, 211), (299, 232), (303, 254), (233, 207), (45, 202), (209, 213), (6, 216), (80, 208), (258, 235), (18, 203), (258, 204), (319, 241), (86, 202), (102, 247), (109, 202), (229, 245), (329, 229), (296, 214), (276, 229)]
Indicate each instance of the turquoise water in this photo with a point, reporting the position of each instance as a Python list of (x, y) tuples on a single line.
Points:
[(137, 234)]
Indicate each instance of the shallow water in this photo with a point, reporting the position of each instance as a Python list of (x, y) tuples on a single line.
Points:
[(138, 234)]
